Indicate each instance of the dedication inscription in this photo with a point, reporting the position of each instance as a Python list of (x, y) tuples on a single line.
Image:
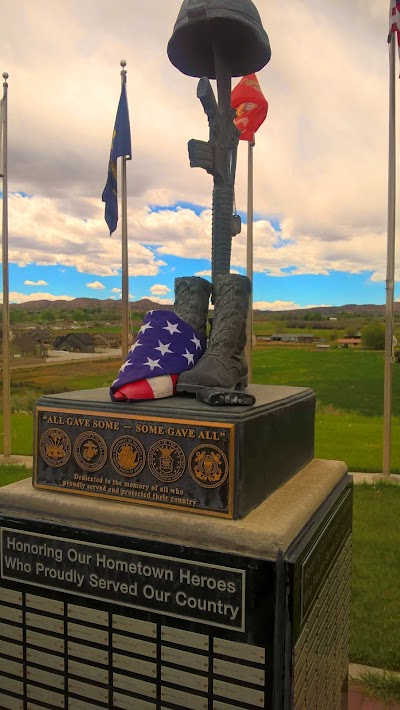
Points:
[(164, 462), (200, 592)]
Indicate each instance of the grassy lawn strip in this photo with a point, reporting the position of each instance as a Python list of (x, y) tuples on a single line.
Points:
[(10, 474), (375, 630), (348, 385), (348, 380), (21, 434), (355, 439)]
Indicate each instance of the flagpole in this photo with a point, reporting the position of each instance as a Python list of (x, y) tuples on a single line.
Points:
[(124, 245), (6, 307), (249, 259), (391, 225)]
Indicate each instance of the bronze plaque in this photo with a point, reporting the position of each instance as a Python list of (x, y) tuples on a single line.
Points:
[(173, 463)]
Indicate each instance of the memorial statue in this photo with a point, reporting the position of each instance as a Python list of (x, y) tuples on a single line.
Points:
[(218, 39)]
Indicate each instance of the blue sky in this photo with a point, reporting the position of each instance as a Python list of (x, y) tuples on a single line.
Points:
[(336, 289), (320, 160)]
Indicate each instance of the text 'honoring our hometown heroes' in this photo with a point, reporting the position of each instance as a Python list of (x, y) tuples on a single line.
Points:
[(166, 585)]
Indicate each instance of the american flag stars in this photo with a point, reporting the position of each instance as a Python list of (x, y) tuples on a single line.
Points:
[(152, 363), (155, 354), (171, 327), (189, 357), (163, 347)]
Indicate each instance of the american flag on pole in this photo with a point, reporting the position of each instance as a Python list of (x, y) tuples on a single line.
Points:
[(394, 22), (165, 346)]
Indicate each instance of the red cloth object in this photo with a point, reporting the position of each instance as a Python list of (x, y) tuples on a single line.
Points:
[(251, 107), (394, 21), (151, 388)]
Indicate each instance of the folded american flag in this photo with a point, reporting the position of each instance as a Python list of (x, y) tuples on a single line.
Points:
[(165, 345)]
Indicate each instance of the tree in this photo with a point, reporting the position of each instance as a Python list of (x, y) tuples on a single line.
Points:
[(79, 315), (49, 316), (373, 336)]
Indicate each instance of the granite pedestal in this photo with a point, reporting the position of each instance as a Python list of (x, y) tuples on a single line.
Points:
[(104, 605), (176, 452)]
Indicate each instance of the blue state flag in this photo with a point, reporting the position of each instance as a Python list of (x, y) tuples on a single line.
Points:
[(120, 147)]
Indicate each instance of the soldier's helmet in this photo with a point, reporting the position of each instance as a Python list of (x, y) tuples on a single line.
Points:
[(234, 25)]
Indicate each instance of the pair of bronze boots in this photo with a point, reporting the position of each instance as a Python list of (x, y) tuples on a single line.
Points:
[(223, 364)]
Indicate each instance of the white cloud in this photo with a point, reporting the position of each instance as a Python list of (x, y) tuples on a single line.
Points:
[(275, 305), (39, 223), (35, 283), (16, 297), (282, 306), (96, 285), (320, 159), (159, 290), (116, 290)]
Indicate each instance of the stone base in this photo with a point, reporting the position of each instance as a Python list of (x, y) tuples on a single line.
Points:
[(176, 452), (106, 606)]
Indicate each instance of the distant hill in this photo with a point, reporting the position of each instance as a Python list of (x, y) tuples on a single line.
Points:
[(141, 306), (145, 304), (367, 309)]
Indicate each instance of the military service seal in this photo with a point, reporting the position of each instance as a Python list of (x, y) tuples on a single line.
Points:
[(90, 451), (55, 447), (128, 456), (208, 466), (166, 460)]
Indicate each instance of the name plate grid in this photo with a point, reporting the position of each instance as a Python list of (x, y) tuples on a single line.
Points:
[(149, 667), (59, 653), (320, 656), (11, 649)]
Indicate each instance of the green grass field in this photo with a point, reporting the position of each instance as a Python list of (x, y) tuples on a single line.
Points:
[(348, 385), (349, 389), (348, 380), (375, 631), (11, 474)]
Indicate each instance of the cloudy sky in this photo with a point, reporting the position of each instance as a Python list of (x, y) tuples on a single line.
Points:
[(320, 173)]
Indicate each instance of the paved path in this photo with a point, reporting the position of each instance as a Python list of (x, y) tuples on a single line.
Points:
[(357, 699), (17, 460)]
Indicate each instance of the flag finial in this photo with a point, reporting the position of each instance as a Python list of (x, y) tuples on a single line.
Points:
[(5, 76), (123, 71)]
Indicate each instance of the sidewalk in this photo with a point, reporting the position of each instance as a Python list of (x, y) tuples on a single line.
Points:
[(357, 699), (16, 460), (373, 477)]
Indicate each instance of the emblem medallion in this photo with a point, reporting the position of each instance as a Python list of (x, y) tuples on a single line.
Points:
[(208, 466), (90, 451), (55, 447), (166, 460), (128, 456)]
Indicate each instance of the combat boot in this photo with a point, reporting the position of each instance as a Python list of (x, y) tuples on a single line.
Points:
[(223, 364), (192, 296)]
